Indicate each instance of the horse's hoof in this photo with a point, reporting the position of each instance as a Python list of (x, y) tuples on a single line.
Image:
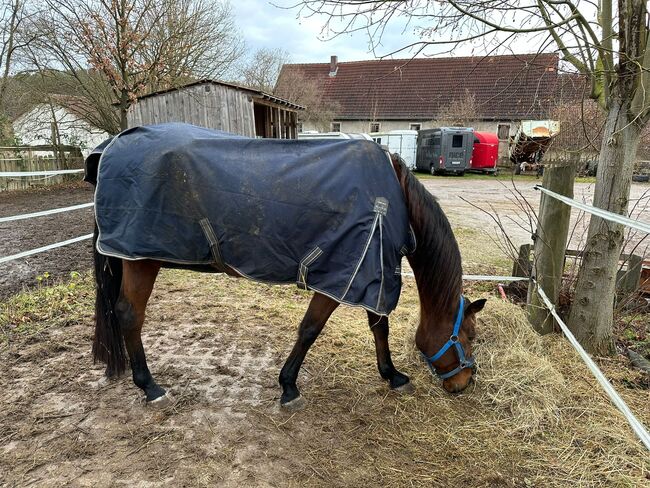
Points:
[(161, 402), (406, 388), (100, 383), (294, 405)]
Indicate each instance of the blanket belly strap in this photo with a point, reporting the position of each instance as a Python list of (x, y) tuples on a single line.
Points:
[(303, 267), (208, 231)]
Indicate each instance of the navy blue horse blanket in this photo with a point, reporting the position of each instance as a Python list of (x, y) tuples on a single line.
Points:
[(328, 215)]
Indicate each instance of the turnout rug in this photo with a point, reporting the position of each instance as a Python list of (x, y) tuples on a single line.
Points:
[(328, 215)]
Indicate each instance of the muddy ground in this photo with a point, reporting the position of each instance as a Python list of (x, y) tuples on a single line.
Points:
[(218, 343), (23, 235)]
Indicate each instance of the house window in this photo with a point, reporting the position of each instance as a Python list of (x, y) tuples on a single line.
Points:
[(377, 140), (299, 126), (375, 126), (503, 132), (336, 126), (415, 126)]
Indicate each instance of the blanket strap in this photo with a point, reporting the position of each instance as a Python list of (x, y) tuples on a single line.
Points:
[(303, 268), (214, 243)]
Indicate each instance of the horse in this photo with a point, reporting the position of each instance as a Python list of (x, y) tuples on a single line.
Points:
[(444, 335)]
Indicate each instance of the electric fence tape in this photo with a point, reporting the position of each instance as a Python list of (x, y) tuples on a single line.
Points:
[(44, 248), (18, 174), (604, 214), (484, 277), (637, 426), (45, 212)]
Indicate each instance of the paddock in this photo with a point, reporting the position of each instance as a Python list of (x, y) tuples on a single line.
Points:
[(535, 416)]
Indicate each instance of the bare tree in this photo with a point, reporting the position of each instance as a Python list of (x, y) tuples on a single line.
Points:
[(262, 69), (13, 14), (195, 39), (116, 50), (608, 42), (459, 112), (293, 85)]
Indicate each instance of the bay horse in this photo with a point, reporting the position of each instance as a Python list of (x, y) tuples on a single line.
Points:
[(444, 335)]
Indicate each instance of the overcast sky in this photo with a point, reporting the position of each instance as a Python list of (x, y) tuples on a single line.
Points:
[(264, 25)]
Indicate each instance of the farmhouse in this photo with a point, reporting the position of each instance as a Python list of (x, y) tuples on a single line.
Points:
[(219, 105), (58, 123), (489, 93)]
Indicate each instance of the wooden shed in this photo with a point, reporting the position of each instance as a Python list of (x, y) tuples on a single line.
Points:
[(219, 105)]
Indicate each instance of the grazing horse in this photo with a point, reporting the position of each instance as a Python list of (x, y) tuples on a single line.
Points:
[(125, 281)]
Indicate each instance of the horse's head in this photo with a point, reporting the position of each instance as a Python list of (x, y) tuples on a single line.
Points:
[(447, 345)]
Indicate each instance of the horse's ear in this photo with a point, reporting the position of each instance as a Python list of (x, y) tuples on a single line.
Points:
[(475, 307)]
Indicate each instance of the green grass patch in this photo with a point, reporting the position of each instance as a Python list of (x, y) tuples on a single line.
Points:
[(56, 305)]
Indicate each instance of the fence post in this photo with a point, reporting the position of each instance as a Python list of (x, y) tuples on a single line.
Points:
[(550, 245)]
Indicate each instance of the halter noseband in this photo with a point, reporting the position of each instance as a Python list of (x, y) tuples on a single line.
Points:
[(463, 361)]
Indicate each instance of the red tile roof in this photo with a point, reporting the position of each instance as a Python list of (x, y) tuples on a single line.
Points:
[(504, 87)]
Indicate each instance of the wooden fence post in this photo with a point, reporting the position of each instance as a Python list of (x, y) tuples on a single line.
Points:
[(550, 245)]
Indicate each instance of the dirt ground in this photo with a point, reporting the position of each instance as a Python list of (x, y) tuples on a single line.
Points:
[(459, 197), (28, 234)]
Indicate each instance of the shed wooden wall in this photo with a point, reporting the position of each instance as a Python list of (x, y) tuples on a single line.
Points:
[(213, 106)]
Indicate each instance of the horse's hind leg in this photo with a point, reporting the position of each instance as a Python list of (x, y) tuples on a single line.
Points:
[(319, 310), (137, 283), (396, 380)]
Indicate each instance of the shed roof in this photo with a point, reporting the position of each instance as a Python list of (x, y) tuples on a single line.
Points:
[(256, 93), (504, 87)]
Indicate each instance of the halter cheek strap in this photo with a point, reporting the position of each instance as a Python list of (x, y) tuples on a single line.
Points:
[(453, 341)]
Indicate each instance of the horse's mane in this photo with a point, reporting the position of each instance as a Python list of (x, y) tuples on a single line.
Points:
[(437, 255)]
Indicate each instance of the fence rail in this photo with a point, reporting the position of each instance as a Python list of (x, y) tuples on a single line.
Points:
[(604, 214), (45, 212), (616, 399), (22, 167), (23, 174), (38, 250)]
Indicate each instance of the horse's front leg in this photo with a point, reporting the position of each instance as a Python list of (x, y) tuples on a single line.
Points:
[(396, 380), (319, 310), (137, 283)]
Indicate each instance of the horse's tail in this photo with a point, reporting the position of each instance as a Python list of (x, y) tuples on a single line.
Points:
[(108, 345)]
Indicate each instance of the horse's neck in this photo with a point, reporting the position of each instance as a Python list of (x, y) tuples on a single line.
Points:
[(435, 265)]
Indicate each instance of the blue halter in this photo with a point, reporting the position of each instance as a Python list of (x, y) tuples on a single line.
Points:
[(453, 341)]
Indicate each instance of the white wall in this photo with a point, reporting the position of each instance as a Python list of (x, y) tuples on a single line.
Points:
[(35, 128), (351, 126)]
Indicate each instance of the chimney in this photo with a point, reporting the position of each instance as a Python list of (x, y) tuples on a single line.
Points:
[(334, 65)]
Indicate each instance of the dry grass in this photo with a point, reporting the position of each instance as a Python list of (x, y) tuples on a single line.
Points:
[(535, 417)]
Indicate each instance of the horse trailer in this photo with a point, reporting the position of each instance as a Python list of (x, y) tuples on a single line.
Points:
[(445, 150), (333, 135), (486, 152), (402, 142)]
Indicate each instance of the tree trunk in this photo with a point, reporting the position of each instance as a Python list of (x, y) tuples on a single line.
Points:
[(550, 245), (123, 119), (124, 108), (591, 316)]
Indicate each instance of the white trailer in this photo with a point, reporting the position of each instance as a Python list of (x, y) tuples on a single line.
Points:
[(332, 135), (402, 142)]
